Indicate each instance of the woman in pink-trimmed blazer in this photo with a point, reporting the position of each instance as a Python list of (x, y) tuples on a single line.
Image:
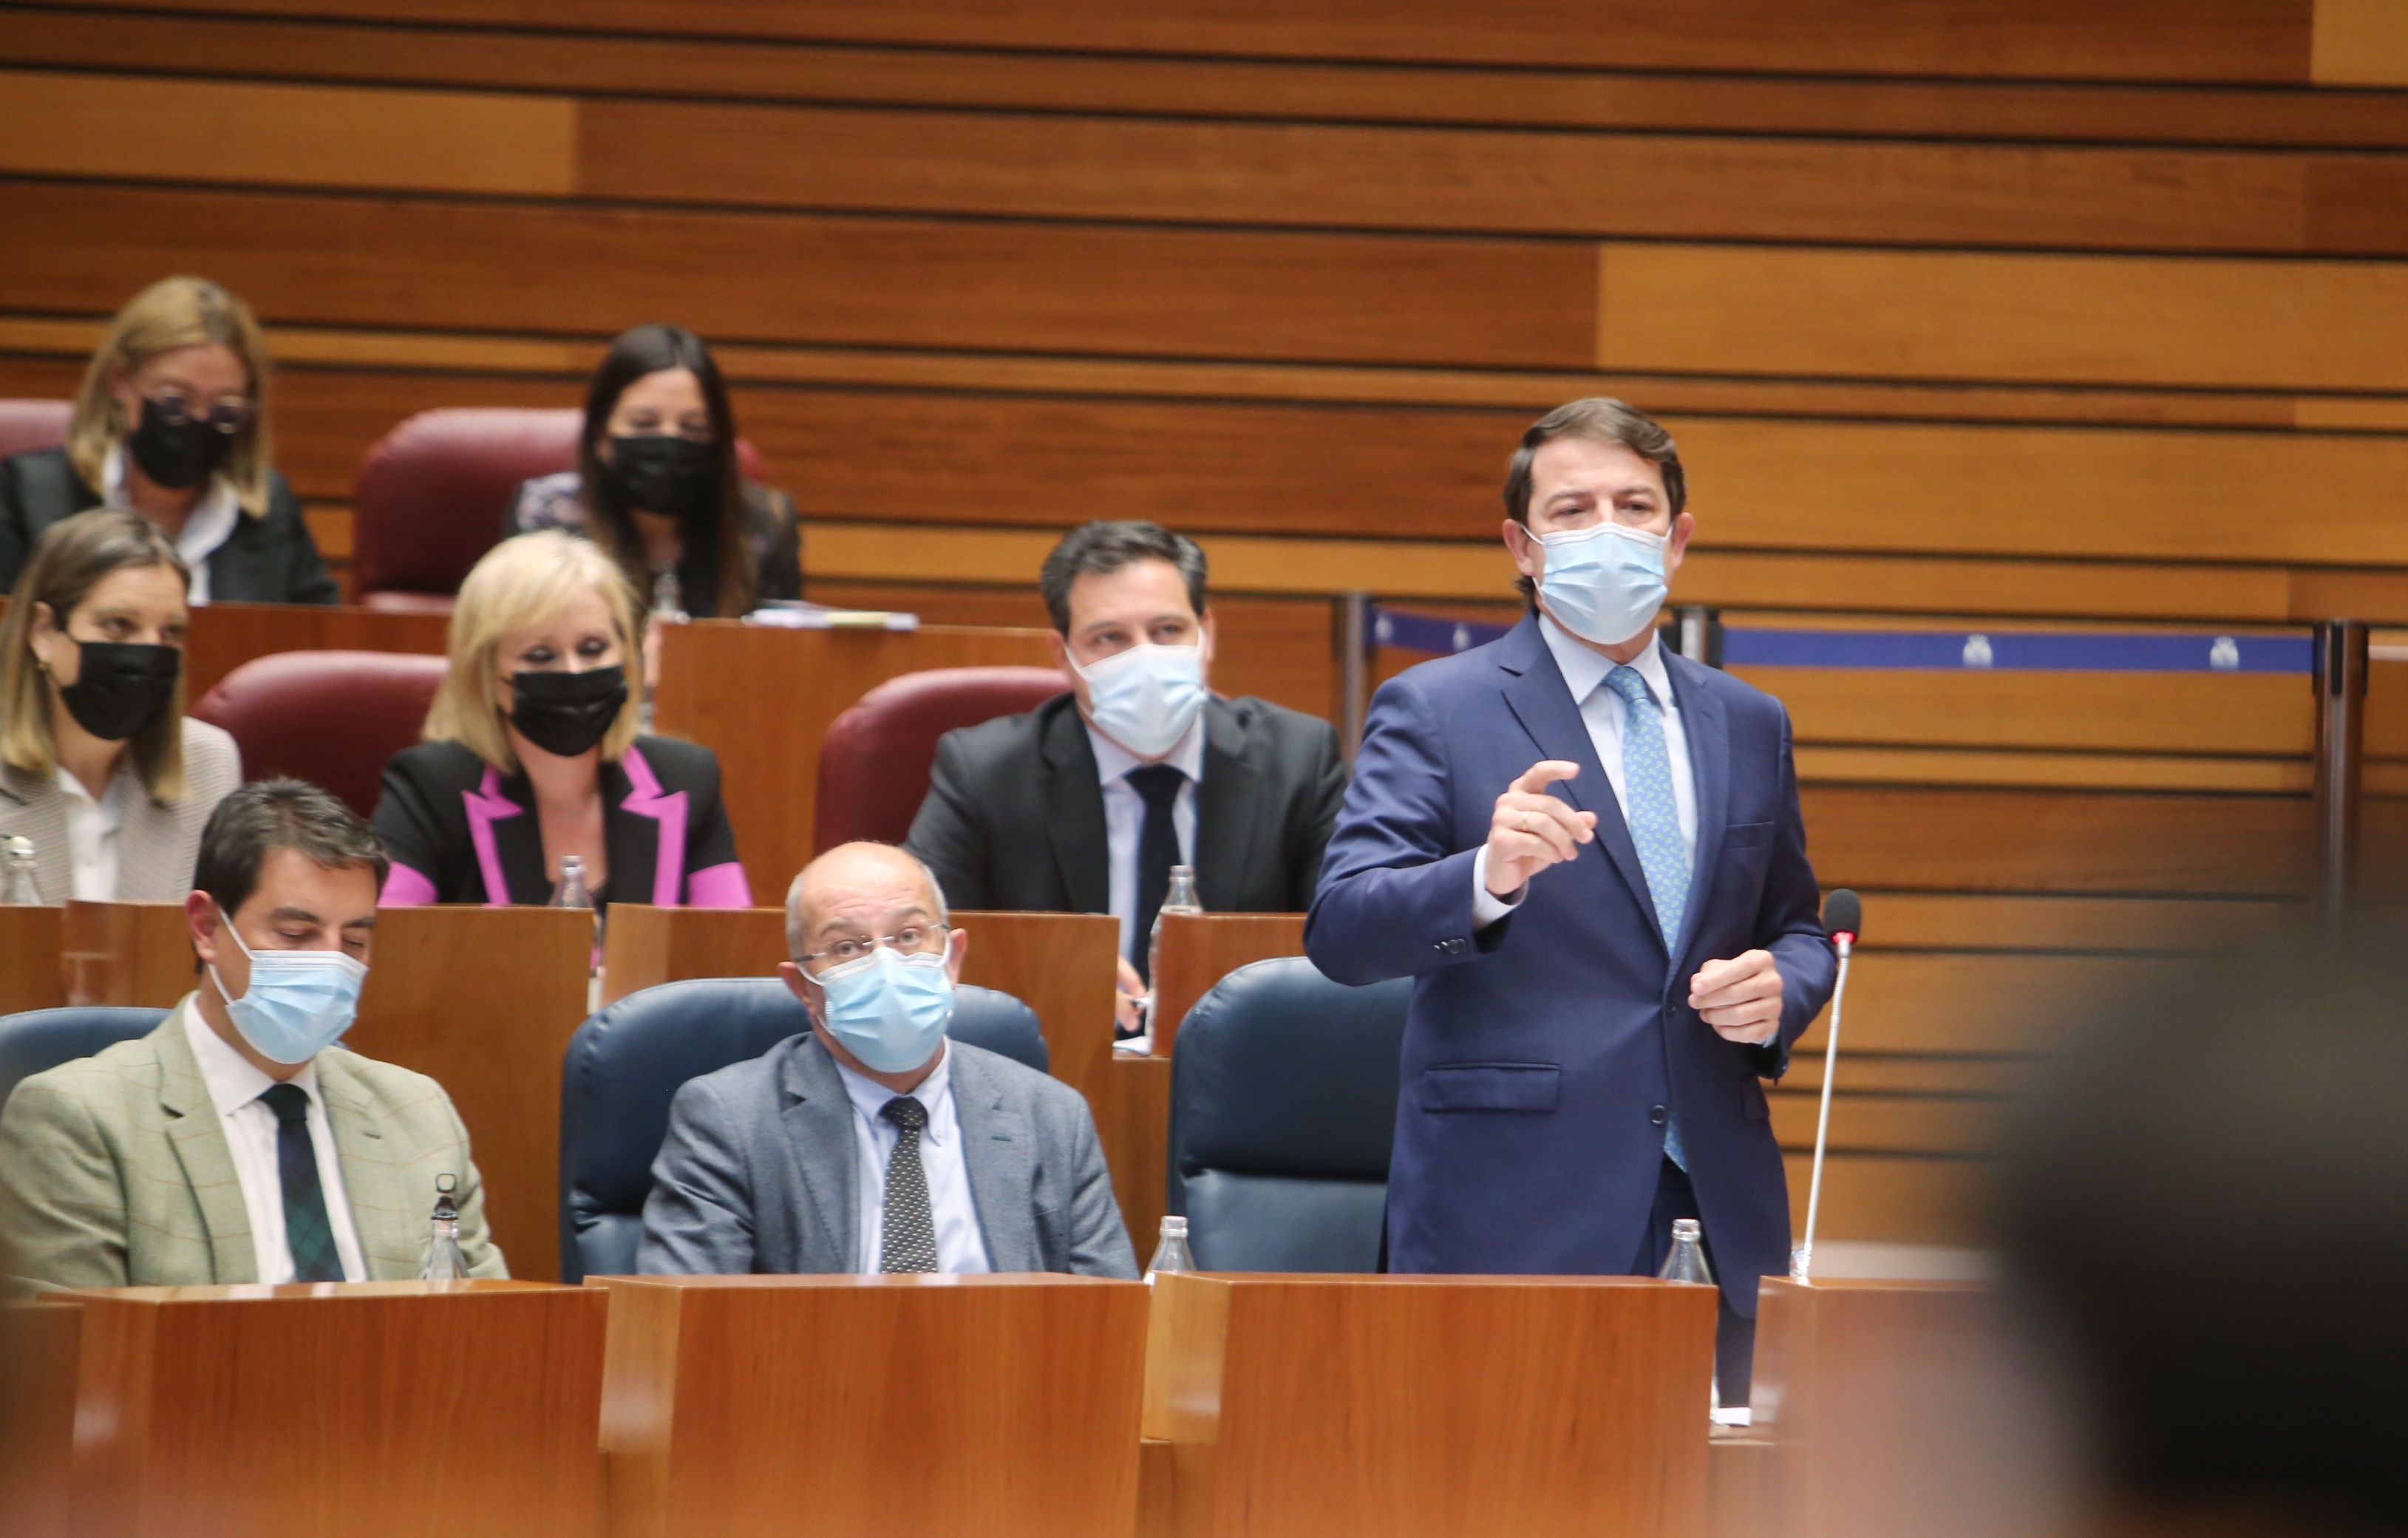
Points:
[(532, 753)]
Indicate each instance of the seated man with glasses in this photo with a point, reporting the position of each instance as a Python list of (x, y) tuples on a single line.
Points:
[(871, 1142)]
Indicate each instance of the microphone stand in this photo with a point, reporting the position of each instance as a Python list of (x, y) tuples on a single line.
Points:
[(1802, 1258)]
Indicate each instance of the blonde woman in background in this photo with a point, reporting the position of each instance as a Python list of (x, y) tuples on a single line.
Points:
[(532, 753), (171, 422), (99, 765)]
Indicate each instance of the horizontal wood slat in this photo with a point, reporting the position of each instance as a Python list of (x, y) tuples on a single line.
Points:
[(801, 70), (1950, 921), (1978, 1005), (1892, 1199), (1900, 1124), (1906, 765), (2259, 41), (2358, 42), (2231, 713), (115, 125), (875, 282)]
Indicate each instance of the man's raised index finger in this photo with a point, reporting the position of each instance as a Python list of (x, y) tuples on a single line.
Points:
[(1544, 773)]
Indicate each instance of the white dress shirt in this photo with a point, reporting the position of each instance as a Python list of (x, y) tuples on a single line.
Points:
[(209, 525), (961, 1248), (235, 1086), (1125, 816), (1603, 712), (91, 832)]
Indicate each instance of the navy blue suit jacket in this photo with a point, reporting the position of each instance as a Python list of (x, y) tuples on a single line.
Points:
[(1543, 1053)]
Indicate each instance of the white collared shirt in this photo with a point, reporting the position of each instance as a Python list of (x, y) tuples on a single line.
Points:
[(1604, 712), (91, 832), (209, 525), (235, 1086), (961, 1247), (1125, 816)]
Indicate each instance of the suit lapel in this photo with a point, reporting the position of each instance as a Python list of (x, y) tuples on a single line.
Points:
[(818, 1126), (32, 805), (1543, 702), (632, 842), (1229, 810), (518, 838), (999, 1155), (1074, 805), (390, 1242), (1707, 731), (199, 1140)]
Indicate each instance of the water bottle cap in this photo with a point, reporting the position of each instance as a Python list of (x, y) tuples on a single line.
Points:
[(19, 847), (1686, 1228), (1174, 1227)]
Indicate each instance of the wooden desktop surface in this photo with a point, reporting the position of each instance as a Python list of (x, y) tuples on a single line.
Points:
[(1301, 1406), (763, 697), (373, 1410), (757, 1406)]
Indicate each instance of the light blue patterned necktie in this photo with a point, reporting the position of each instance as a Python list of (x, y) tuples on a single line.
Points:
[(1655, 821)]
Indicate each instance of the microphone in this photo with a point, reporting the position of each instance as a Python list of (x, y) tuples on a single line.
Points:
[(1843, 920)]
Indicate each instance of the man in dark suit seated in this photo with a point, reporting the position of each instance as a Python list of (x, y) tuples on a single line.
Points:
[(1083, 804)]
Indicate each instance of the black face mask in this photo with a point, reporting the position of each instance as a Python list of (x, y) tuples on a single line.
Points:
[(121, 687), (666, 474), (177, 454), (567, 713)]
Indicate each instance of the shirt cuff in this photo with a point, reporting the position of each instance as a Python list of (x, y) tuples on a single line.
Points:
[(1486, 906)]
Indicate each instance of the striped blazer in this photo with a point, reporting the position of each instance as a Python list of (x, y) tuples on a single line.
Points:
[(157, 844)]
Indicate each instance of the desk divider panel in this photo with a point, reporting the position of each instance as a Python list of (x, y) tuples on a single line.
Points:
[(126, 953), (40, 1342), (31, 976), (1200, 949)]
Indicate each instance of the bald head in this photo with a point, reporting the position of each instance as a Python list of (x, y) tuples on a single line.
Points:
[(861, 890)]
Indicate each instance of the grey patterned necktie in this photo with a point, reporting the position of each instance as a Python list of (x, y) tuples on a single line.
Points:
[(908, 1241), (1654, 819)]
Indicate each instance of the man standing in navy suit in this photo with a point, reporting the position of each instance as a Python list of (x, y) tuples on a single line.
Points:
[(1587, 854)]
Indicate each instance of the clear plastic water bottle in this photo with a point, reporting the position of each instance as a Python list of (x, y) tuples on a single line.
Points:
[(443, 1262), (1171, 1253), (18, 886), (572, 891), (668, 595), (1687, 1261), (1180, 898)]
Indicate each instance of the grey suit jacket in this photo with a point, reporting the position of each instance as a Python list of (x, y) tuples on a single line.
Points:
[(158, 842), (757, 1172)]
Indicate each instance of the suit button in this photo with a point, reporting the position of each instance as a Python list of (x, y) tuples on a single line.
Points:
[(1657, 1115)]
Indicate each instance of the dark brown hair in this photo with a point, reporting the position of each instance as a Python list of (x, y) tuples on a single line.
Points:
[(1102, 548), (1599, 419), (649, 350), (285, 813)]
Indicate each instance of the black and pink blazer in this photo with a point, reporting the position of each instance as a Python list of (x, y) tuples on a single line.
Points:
[(460, 830)]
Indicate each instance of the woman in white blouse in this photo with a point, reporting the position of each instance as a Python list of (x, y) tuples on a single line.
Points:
[(99, 767)]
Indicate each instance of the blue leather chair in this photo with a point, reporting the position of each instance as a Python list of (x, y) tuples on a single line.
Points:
[(40, 1039), (1283, 1107), (627, 1064)]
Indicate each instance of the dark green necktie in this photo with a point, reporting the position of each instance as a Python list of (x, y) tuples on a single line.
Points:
[(307, 1232)]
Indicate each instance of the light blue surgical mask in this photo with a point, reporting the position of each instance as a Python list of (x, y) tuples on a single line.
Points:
[(298, 1003), (1146, 698), (890, 1011), (1603, 585)]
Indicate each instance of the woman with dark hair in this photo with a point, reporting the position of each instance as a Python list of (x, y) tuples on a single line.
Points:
[(656, 484)]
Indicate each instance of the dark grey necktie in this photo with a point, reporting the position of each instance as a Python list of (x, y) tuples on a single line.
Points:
[(908, 1242), (1157, 851), (308, 1234)]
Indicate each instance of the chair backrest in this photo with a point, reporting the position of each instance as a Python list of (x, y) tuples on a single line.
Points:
[(38, 1040), (432, 496), (1282, 1108), (627, 1064), (32, 425), (332, 718), (875, 760)]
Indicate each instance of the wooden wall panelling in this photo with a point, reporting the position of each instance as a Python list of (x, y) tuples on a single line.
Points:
[(2257, 42), (2258, 713), (1896, 1199), (1913, 766), (824, 278), (111, 126), (31, 977), (2358, 42), (762, 69), (1979, 1005), (1970, 922)]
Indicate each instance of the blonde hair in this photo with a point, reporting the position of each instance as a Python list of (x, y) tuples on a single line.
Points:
[(522, 583), (172, 313), (71, 558)]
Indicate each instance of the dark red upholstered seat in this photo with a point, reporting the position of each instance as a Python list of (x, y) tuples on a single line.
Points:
[(874, 764), (32, 425), (332, 718)]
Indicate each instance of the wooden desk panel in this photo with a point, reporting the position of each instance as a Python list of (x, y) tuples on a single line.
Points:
[(38, 1347), (224, 636), (1062, 966), (763, 698), (1300, 1406), (1200, 949), (31, 976), (373, 1410), (484, 1001), (126, 953), (1003, 1405), (1133, 1120), (643, 947)]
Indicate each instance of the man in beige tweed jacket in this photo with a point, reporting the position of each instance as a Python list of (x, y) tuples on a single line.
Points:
[(155, 1162)]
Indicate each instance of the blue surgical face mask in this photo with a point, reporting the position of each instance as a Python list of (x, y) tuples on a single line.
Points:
[(889, 1010), (1146, 698), (1603, 585), (298, 1003)]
